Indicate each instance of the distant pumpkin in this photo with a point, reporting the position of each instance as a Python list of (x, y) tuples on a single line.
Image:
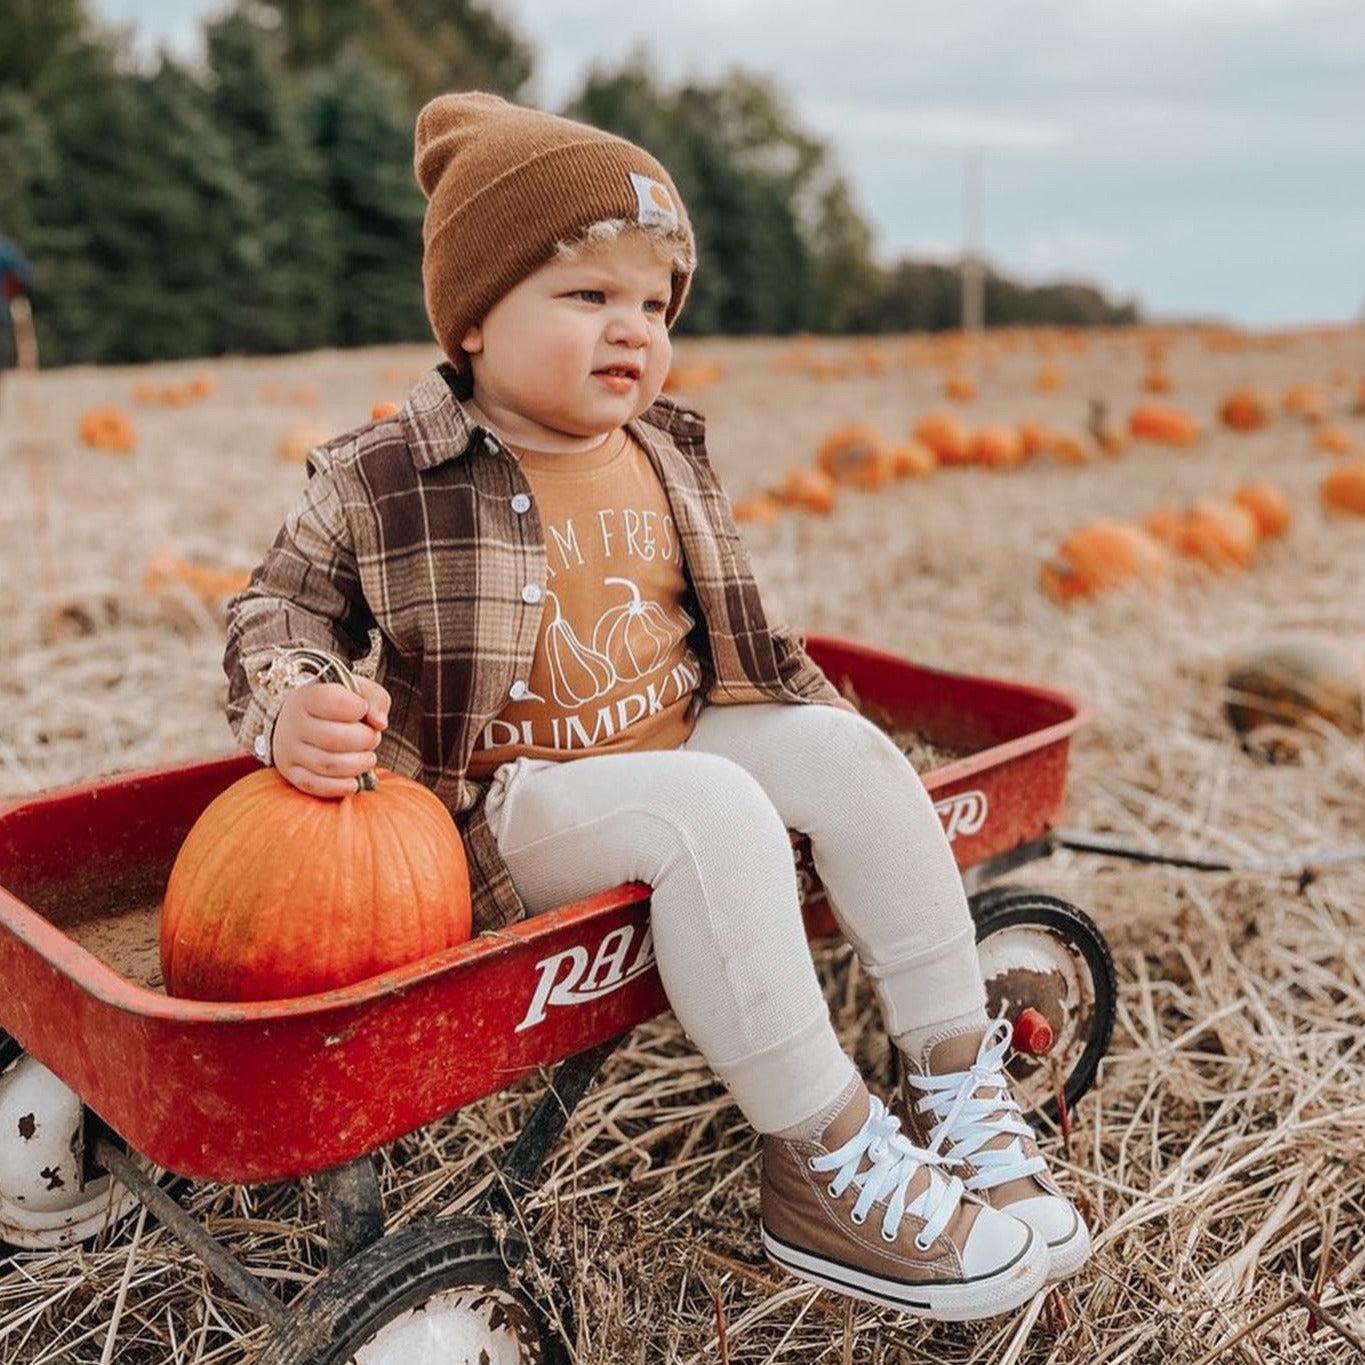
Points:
[(1307, 401), (1245, 409), (846, 450), (997, 446), (108, 429), (811, 489), (945, 435), (1334, 441), (294, 445), (1268, 505), (1343, 490), (1101, 557), (960, 389), (761, 510), (1221, 534), (1167, 425), (912, 460)]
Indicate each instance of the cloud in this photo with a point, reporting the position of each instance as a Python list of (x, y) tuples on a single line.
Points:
[(951, 126)]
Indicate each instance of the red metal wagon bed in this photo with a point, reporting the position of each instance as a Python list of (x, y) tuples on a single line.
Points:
[(248, 1093)]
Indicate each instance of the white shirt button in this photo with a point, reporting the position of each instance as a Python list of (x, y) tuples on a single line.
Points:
[(492, 444), (531, 593), (262, 748), (520, 502), (518, 690)]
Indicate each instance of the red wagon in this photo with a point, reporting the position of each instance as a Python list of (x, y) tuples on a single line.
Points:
[(123, 1078)]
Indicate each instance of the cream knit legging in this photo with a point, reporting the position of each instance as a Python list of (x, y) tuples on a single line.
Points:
[(706, 827)]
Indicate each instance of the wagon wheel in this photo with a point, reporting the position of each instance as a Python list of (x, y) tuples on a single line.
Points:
[(1041, 953), (50, 1195), (434, 1292)]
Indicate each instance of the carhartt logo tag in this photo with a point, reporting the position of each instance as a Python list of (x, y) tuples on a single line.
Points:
[(656, 203)]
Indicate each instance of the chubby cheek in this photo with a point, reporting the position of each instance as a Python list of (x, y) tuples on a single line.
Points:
[(656, 367)]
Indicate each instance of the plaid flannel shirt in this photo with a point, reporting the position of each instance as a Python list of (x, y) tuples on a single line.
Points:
[(423, 528)]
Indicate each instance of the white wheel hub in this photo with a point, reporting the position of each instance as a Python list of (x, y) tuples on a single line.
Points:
[(44, 1200), (1029, 966), (477, 1324)]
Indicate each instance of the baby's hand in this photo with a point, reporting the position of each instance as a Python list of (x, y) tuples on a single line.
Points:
[(325, 735)]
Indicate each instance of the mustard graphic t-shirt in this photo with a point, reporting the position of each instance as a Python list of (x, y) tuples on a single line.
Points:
[(613, 670)]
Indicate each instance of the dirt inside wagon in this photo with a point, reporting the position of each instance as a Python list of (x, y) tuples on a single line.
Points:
[(1221, 1157)]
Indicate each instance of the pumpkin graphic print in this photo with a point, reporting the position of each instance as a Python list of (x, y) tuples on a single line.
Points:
[(629, 640)]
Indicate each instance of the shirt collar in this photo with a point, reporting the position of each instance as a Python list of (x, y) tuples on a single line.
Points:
[(439, 427)]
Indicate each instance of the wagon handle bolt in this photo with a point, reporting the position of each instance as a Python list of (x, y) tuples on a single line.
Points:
[(1032, 1033)]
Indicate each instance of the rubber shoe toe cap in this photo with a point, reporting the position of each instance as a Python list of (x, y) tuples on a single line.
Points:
[(995, 1240)]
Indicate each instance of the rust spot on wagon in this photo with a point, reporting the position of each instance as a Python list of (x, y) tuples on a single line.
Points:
[(28, 1125), (52, 1174)]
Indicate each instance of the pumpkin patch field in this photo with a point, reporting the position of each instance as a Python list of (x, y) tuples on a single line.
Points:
[(1154, 519)]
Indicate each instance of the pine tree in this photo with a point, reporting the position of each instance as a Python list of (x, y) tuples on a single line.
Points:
[(285, 296), (365, 139)]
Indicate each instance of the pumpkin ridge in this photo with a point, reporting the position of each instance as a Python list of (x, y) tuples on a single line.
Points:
[(198, 872), (236, 924), (222, 925)]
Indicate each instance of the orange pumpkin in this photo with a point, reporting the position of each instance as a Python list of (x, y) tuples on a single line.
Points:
[(1221, 534), (960, 389), (762, 510), (294, 445), (1169, 426), (1334, 441), (1036, 438), (1157, 381), (1050, 379), (108, 429), (875, 474), (276, 893), (1163, 524), (912, 460), (998, 446), (945, 435), (1070, 449), (811, 489), (1343, 490), (845, 451), (1307, 401), (203, 385), (692, 377), (209, 584), (1245, 409), (1101, 557), (1268, 505)]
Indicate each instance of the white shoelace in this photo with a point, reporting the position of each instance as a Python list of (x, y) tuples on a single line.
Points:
[(895, 1159), (963, 1119)]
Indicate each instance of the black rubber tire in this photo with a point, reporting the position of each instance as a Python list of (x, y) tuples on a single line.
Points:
[(340, 1312), (1004, 907)]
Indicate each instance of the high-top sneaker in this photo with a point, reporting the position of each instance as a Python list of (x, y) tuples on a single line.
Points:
[(956, 1102), (862, 1211)]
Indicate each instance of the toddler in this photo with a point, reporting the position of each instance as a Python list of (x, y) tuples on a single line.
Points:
[(574, 656)]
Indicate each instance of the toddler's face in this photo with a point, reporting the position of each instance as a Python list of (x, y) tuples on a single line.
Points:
[(540, 358)]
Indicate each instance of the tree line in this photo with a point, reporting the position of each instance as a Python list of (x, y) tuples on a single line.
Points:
[(264, 201)]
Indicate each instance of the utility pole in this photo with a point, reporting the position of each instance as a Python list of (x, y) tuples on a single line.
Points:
[(973, 272)]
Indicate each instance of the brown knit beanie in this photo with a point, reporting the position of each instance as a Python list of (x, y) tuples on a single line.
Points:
[(504, 184)]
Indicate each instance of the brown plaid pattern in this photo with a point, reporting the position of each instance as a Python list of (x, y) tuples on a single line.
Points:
[(405, 526)]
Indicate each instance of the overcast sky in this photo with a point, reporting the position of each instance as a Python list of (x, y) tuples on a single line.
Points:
[(1205, 156)]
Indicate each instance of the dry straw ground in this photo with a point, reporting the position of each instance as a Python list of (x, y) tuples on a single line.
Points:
[(1223, 1152)]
